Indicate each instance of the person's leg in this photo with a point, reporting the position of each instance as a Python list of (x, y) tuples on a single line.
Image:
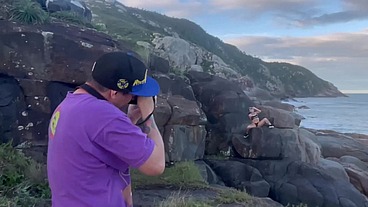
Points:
[(263, 122)]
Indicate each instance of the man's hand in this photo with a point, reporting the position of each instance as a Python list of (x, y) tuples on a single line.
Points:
[(146, 106), (134, 113)]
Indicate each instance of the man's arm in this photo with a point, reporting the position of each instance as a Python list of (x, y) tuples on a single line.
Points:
[(155, 164)]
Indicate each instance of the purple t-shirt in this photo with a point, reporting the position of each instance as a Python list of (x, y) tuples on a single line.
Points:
[(91, 146)]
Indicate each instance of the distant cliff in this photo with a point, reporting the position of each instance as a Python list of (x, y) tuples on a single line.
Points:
[(188, 47)]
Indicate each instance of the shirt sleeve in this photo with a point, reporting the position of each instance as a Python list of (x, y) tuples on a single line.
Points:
[(122, 143)]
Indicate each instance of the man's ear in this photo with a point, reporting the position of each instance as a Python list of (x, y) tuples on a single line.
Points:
[(113, 93)]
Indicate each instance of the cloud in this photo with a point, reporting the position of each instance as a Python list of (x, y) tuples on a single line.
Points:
[(350, 10), (341, 57), (262, 6), (173, 8), (285, 13)]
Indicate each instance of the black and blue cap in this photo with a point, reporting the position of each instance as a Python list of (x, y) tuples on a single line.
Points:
[(122, 71)]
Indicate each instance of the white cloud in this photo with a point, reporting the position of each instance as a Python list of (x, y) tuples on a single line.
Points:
[(340, 58)]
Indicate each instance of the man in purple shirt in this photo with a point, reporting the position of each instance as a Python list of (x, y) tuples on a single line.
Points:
[(92, 143)]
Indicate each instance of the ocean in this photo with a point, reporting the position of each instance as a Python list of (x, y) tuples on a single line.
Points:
[(341, 114)]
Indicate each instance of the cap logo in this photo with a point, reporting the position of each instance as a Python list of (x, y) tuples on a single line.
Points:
[(139, 82), (122, 84)]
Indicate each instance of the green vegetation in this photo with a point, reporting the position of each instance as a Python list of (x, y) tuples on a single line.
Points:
[(184, 175), (180, 200), (29, 12), (22, 180), (230, 196), (23, 183), (70, 17), (225, 196)]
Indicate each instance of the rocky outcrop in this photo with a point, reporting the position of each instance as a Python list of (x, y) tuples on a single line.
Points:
[(241, 176), (182, 55), (62, 57), (76, 6), (35, 61), (277, 144), (226, 108), (299, 182), (357, 171), (338, 145)]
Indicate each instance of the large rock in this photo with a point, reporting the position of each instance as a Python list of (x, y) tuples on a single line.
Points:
[(75, 6), (357, 171), (12, 110), (184, 142), (241, 176), (53, 52), (42, 63), (338, 145), (299, 182), (183, 55), (184, 112), (280, 105), (225, 105), (208, 174), (280, 118), (287, 144), (174, 85)]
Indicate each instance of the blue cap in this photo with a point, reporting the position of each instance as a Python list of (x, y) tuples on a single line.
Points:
[(122, 71), (150, 88)]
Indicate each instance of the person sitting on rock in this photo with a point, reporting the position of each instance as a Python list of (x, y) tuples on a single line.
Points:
[(253, 111), (253, 116), (257, 123)]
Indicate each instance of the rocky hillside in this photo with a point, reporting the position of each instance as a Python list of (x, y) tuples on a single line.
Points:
[(188, 47), (202, 117)]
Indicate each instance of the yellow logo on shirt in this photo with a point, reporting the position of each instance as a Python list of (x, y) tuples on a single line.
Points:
[(53, 123)]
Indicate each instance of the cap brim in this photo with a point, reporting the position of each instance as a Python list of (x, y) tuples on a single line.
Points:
[(150, 88)]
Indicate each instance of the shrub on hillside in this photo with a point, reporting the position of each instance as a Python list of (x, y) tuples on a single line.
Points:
[(68, 16), (21, 179), (29, 12)]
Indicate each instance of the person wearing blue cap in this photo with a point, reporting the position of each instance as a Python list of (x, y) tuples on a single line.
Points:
[(93, 143)]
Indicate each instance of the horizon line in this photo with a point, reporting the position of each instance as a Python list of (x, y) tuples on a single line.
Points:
[(354, 91)]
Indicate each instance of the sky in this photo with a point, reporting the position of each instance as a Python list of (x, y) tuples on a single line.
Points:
[(328, 37)]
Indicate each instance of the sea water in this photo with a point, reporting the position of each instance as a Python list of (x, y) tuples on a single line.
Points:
[(341, 114)]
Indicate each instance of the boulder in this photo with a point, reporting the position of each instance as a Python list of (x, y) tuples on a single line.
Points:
[(162, 111), (12, 110), (174, 85), (225, 106), (158, 64), (184, 112), (279, 117), (338, 145), (182, 55), (38, 65), (280, 105), (357, 171), (208, 174), (298, 182), (184, 142), (75, 6), (241, 176), (334, 168), (275, 144)]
